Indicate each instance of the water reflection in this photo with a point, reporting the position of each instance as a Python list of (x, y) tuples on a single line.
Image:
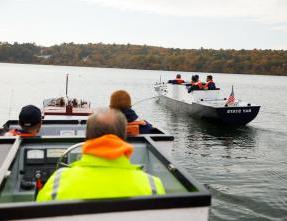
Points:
[(196, 134)]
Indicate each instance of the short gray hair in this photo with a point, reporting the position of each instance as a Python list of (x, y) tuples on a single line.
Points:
[(106, 121)]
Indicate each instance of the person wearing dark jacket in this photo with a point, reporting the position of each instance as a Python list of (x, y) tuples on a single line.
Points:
[(210, 85), (121, 100), (30, 121)]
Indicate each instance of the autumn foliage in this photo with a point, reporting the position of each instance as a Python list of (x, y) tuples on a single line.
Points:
[(269, 62)]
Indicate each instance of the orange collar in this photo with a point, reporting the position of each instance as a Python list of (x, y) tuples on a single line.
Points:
[(108, 146), (16, 132)]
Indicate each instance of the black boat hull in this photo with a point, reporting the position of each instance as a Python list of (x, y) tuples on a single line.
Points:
[(231, 116)]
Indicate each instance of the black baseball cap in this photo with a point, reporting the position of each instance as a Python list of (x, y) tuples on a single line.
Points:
[(29, 116)]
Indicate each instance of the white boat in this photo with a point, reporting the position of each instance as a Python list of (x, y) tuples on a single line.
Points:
[(207, 105)]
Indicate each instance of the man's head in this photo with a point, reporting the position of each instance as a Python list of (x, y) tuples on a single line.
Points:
[(30, 119), (120, 100), (209, 78), (178, 76), (193, 78), (106, 121)]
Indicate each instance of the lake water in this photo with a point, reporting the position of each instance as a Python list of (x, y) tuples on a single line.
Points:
[(245, 169)]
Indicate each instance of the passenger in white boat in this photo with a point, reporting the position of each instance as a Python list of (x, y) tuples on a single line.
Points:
[(209, 85), (104, 170), (177, 80), (195, 84)]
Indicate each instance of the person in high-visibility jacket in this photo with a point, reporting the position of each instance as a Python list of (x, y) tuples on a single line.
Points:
[(104, 170), (30, 121)]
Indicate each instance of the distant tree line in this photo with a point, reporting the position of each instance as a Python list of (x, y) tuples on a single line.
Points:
[(269, 62)]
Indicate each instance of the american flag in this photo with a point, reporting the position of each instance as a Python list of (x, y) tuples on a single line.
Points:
[(231, 98)]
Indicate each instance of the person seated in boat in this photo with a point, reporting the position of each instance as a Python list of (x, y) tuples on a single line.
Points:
[(177, 80), (198, 82), (210, 85), (59, 102), (30, 121), (193, 84), (104, 170), (121, 100), (75, 102)]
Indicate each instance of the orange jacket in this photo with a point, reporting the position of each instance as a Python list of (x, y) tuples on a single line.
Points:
[(179, 80), (16, 132), (198, 83), (108, 146), (133, 127)]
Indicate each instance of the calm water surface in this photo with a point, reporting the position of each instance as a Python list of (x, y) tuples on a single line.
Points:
[(245, 169)]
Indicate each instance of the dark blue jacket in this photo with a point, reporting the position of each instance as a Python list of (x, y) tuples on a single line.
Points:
[(132, 116), (211, 86)]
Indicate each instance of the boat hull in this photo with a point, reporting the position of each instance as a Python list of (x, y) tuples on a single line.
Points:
[(232, 116), (182, 214)]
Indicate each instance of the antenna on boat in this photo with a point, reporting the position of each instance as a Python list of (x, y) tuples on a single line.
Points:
[(67, 83)]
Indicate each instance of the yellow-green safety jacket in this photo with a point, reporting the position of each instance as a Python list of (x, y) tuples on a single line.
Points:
[(94, 177)]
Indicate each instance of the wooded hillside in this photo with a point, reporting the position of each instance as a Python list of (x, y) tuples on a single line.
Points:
[(269, 62)]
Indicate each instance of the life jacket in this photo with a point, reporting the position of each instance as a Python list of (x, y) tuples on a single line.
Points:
[(133, 128), (199, 84), (196, 85), (179, 81), (20, 133), (104, 171)]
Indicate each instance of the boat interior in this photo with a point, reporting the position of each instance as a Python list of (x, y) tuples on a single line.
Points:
[(22, 160), (66, 127)]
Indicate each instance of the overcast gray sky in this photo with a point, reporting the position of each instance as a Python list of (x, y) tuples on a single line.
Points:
[(239, 24)]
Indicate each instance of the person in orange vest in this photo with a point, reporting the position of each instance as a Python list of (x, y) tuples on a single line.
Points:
[(198, 82), (121, 100), (104, 170), (177, 80), (194, 84), (210, 85), (30, 121)]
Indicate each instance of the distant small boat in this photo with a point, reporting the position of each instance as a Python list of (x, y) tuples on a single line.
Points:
[(66, 106), (205, 104)]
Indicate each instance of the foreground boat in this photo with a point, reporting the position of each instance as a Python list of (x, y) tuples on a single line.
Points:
[(205, 104), (22, 160)]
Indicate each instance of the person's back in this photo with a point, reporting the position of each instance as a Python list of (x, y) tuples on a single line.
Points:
[(121, 100), (198, 82), (193, 84), (30, 121), (177, 80), (104, 171)]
